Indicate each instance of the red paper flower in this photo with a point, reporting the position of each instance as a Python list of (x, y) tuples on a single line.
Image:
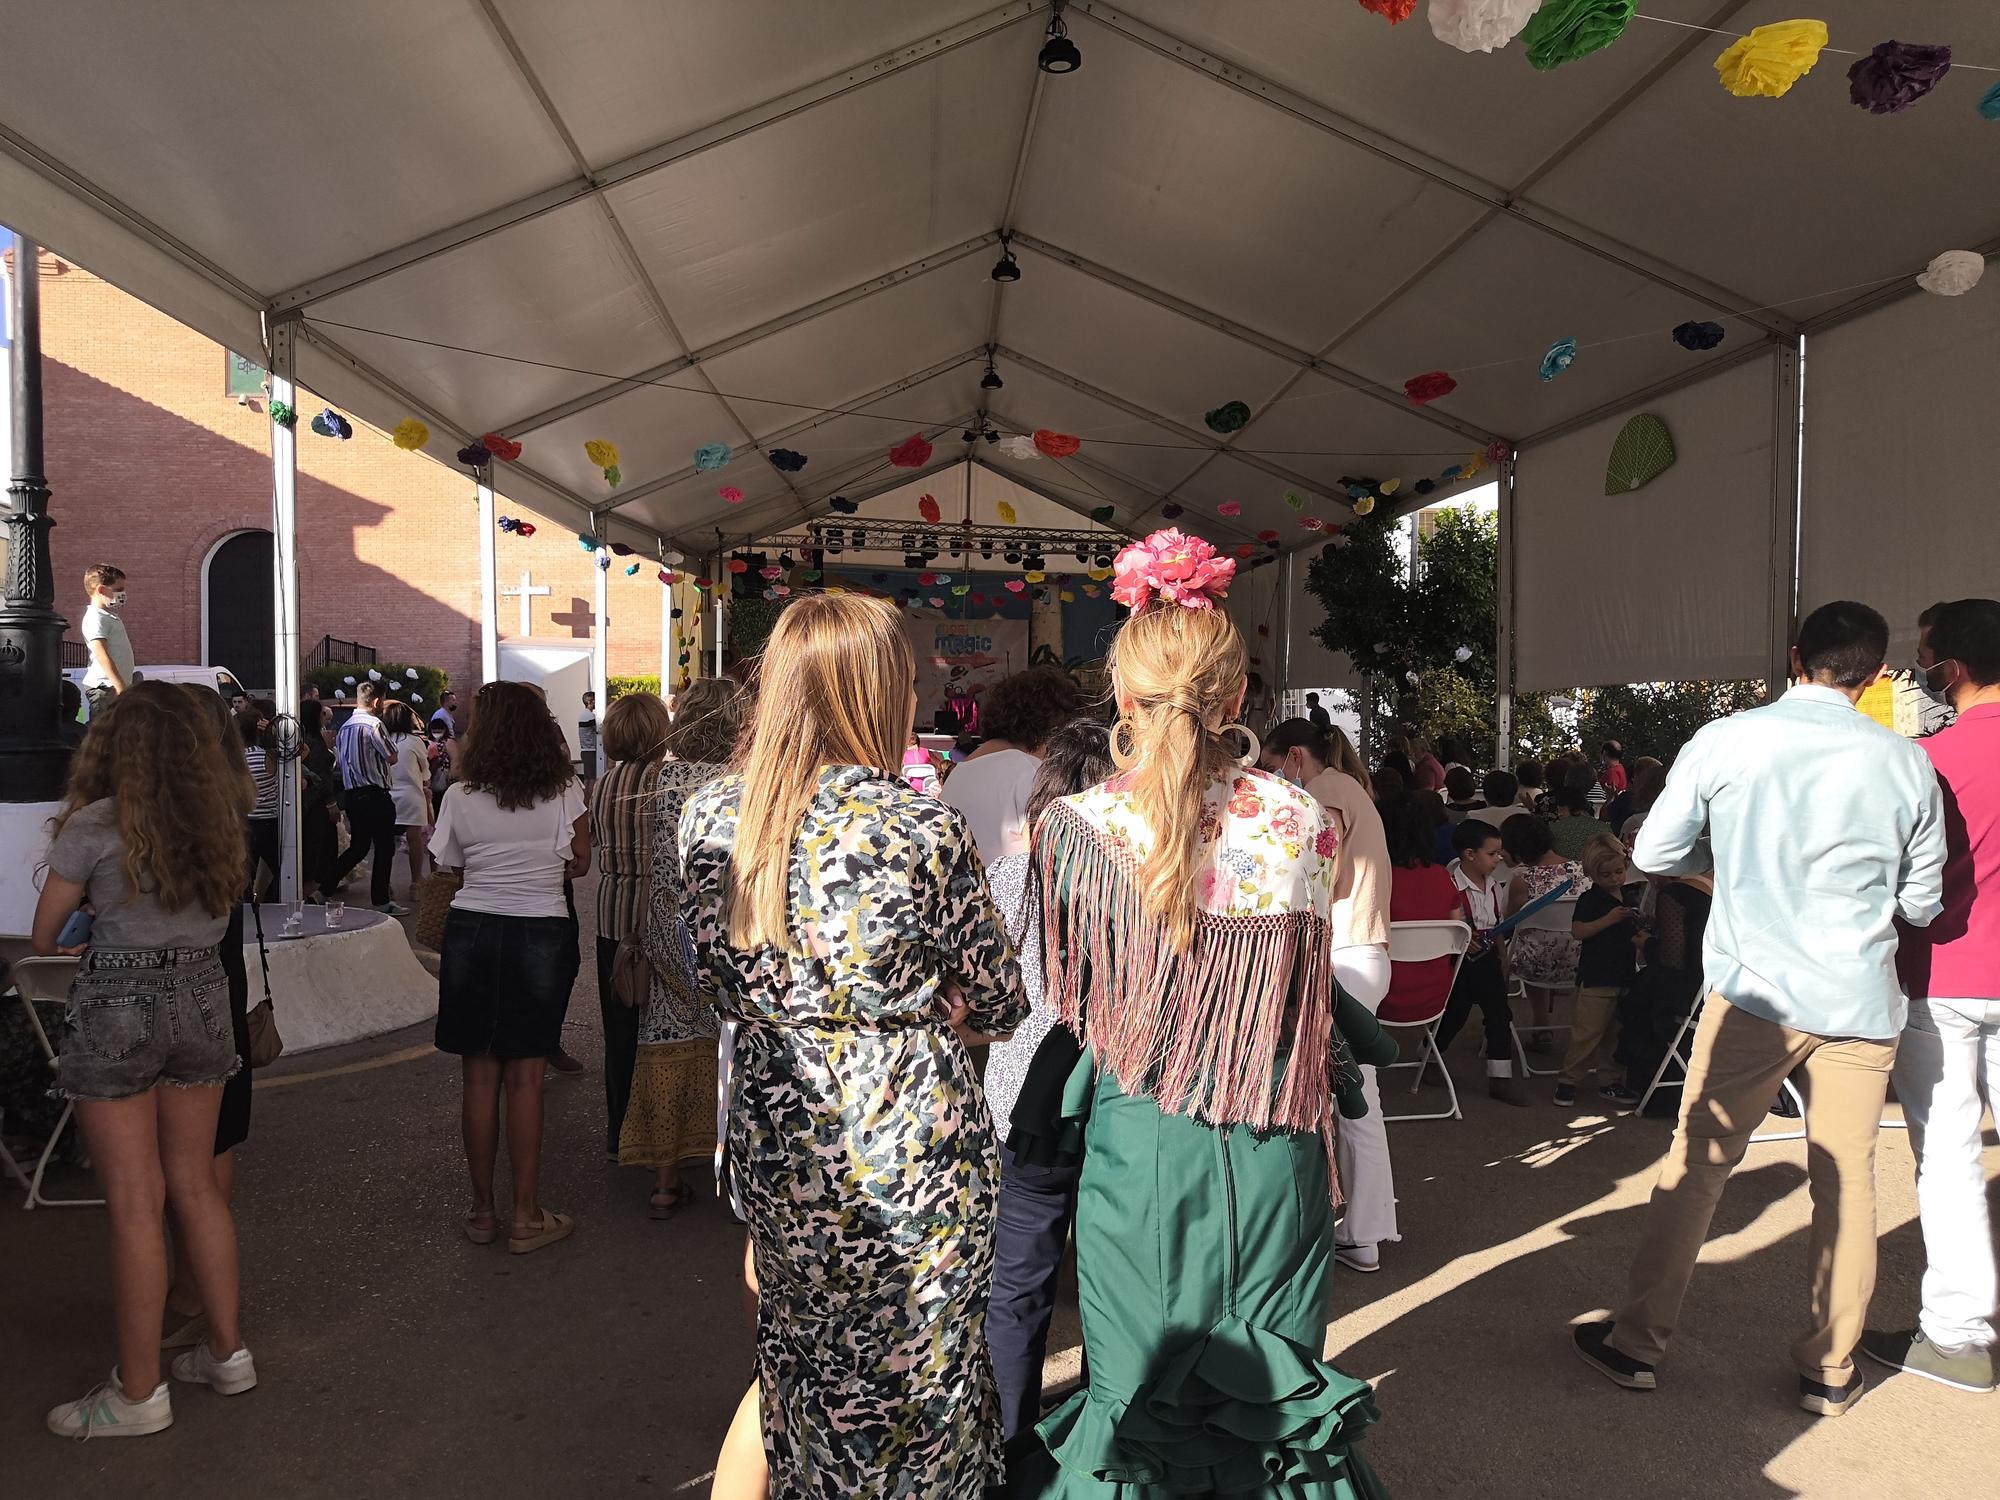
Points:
[(927, 507), (731, 494), (925, 580), (1267, 536), (524, 528), (1172, 568), (771, 573), (913, 453), (1056, 444), (1424, 389), (504, 449), (1394, 11), (1016, 586), (738, 565), (665, 576), (1230, 508)]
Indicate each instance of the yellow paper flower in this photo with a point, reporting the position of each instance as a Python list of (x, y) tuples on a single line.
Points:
[(1390, 486), (601, 453), (1771, 59), (411, 434), (1067, 597), (1007, 515), (1100, 574), (1473, 465), (1036, 577), (1365, 504)]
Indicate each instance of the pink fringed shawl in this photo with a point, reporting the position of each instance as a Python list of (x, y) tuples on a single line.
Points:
[(1238, 1029)]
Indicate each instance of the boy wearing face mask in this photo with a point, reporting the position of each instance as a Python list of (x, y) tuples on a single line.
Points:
[(111, 669)]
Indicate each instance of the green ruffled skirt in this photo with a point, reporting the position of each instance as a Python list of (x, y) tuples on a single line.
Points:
[(1204, 1261)]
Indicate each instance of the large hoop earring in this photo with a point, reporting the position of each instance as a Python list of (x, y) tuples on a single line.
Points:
[(1249, 734), (1122, 755)]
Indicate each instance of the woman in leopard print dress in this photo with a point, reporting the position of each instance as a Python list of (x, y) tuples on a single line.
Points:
[(831, 908)]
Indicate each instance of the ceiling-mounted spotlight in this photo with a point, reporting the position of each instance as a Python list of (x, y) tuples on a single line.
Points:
[(991, 380), (1014, 558), (1059, 54), (1036, 562), (992, 436), (969, 436), (1004, 269), (1103, 559), (833, 546), (1082, 555)]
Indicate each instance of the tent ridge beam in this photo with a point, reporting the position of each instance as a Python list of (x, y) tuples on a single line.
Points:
[(783, 323), (654, 158), (1305, 359), (1145, 414), (1882, 296), (818, 419), (1390, 149)]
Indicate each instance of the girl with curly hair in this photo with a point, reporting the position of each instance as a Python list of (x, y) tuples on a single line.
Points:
[(516, 828), (151, 835)]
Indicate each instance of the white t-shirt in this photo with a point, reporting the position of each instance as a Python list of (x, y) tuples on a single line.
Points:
[(101, 624), (513, 858), (992, 791)]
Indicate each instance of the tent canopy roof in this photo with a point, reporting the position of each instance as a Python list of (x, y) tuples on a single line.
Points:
[(772, 225)]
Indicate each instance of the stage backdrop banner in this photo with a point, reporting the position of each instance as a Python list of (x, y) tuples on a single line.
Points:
[(963, 656)]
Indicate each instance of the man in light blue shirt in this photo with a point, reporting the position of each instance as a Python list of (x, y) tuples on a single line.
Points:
[(1820, 828)]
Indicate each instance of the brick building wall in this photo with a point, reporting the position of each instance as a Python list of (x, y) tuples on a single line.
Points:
[(152, 465)]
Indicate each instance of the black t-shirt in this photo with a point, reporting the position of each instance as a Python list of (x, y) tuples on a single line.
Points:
[(1608, 959)]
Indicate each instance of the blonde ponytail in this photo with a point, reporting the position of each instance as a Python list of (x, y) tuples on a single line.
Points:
[(1176, 673)]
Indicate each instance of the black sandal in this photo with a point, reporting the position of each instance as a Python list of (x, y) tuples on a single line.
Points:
[(664, 1205)]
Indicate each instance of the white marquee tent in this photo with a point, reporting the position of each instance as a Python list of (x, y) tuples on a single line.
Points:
[(772, 224)]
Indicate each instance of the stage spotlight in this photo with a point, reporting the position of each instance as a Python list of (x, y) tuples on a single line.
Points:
[(1059, 53), (1006, 268)]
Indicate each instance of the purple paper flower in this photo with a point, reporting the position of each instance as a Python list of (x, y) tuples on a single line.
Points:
[(1896, 75), (475, 456)]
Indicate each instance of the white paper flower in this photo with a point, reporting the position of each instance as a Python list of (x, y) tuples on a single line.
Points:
[(1480, 25), (416, 697), (1019, 445), (341, 692), (1463, 653), (1953, 273), (1381, 648), (348, 680), (1411, 678), (411, 673), (373, 675)]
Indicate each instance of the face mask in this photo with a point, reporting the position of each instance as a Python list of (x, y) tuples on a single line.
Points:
[(118, 599)]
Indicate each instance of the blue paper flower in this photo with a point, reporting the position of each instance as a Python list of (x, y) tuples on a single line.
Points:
[(630, 569), (506, 523), (604, 562), (711, 456), (475, 456), (331, 423), (1989, 104), (1561, 355), (787, 461), (1698, 337)]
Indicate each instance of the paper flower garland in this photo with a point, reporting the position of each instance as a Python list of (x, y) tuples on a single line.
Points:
[(410, 434), (787, 460), (1395, 12), (730, 495), (912, 453), (586, 541), (1564, 30), (605, 456), (283, 415), (1008, 515), (1771, 59), (1424, 389), (1311, 523), (738, 565), (1295, 500), (504, 449), (1056, 444), (1561, 355), (331, 423), (1364, 505), (1231, 417), (1643, 451), (1953, 273), (1480, 25), (1019, 446), (1896, 75), (927, 507), (1697, 337), (475, 456), (1499, 451), (712, 456)]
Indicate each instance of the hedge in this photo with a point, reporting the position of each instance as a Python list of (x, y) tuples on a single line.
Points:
[(645, 682), (423, 691)]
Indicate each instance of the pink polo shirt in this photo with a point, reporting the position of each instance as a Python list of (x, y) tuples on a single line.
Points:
[(1957, 957)]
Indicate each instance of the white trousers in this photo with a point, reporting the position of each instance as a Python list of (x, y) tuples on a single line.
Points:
[(1949, 1048), (1361, 1147)]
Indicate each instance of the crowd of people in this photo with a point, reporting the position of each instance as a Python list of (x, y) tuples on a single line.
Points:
[(1125, 977)]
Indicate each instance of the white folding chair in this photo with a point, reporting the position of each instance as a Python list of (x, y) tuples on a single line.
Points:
[(1557, 916), (47, 979), (1418, 942)]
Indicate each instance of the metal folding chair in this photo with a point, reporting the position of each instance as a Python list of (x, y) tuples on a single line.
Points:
[(1418, 942), (1680, 1053), (1557, 916), (47, 979)]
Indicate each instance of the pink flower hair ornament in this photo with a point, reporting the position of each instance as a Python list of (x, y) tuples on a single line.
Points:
[(1170, 567)]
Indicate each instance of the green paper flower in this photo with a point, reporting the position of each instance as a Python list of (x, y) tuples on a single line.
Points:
[(282, 414), (1564, 30)]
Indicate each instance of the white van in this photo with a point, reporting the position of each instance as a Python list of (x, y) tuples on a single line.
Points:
[(220, 678)]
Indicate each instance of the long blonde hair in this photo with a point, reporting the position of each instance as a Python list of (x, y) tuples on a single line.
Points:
[(176, 775), (1175, 674), (1343, 757), (834, 687)]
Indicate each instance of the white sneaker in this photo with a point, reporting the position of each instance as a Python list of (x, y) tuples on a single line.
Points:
[(1363, 1258), (107, 1412), (231, 1376)]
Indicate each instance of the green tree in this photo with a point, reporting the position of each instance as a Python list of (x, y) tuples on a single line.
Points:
[(1657, 718)]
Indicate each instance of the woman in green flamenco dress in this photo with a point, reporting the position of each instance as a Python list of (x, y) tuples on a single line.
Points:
[(1187, 949)]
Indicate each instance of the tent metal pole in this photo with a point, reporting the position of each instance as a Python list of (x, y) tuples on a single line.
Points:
[(600, 627), (1783, 597), (718, 599), (489, 596), (282, 334), (1504, 645), (1288, 577)]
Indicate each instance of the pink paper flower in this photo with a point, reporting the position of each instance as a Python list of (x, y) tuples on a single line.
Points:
[(730, 495), (1173, 568)]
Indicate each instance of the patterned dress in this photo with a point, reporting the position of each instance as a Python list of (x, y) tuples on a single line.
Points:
[(859, 1143), (1543, 956), (671, 1116)]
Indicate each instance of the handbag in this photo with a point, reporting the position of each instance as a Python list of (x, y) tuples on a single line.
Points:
[(431, 904), (631, 970), (262, 1021)]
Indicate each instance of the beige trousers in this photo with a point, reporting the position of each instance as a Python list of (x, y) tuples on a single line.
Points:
[(1590, 1026), (1740, 1062)]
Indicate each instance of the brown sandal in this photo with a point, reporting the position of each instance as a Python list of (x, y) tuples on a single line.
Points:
[(480, 1236), (665, 1205), (555, 1226)]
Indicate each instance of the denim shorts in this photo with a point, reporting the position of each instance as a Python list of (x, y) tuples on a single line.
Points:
[(504, 983), (145, 1016)]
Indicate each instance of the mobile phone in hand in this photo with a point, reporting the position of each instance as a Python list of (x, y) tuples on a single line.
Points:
[(76, 930)]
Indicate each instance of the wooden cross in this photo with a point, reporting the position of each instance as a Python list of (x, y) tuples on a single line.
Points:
[(528, 591)]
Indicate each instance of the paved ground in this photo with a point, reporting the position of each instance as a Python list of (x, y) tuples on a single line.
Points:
[(397, 1360)]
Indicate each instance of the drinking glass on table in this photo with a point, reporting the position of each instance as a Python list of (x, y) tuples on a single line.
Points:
[(336, 911)]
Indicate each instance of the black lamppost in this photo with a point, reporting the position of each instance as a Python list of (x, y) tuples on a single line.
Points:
[(33, 758)]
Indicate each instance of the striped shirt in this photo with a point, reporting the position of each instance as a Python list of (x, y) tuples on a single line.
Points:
[(264, 773), (623, 804), (362, 752)]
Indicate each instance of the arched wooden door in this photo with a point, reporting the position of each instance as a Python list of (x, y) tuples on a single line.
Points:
[(238, 626)]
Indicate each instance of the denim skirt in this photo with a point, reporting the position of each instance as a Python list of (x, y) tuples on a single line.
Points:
[(139, 1017), (504, 983)]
